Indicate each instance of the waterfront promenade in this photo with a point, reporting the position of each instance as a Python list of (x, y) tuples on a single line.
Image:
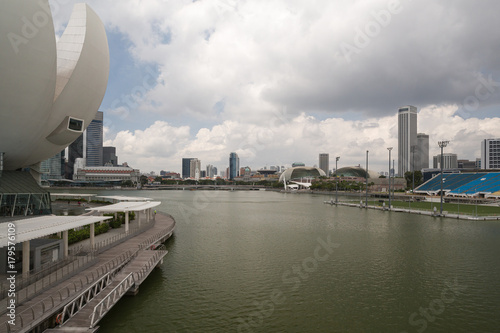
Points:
[(416, 211), (123, 262)]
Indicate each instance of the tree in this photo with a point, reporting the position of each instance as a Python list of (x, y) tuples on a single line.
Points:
[(144, 180), (409, 178), (127, 183)]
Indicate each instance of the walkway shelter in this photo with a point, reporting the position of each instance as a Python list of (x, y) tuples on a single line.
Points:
[(85, 196), (127, 207), (20, 195), (120, 198), (22, 231)]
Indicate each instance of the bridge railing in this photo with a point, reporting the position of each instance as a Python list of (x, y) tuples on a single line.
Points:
[(37, 311), (107, 302)]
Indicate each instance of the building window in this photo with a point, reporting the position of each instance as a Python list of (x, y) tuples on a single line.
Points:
[(75, 124)]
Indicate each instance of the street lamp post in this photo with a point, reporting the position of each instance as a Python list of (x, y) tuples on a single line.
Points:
[(442, 144), (336, 180), (413, 168), (475, 192), (389, 149), (366, 199)]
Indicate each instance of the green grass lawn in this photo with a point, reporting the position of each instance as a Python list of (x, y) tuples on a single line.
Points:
[(453, 208)]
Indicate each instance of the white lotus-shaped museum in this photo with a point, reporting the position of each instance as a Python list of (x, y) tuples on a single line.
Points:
[(49, 92)]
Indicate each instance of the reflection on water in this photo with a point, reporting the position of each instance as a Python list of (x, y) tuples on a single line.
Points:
[(274, 262)]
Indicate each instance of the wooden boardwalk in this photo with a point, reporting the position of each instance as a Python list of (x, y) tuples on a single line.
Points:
[(135, 256)]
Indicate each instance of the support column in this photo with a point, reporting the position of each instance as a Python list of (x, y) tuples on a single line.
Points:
[(92, 236), (26, 258), (65, 241), (139, 214), (126, 221)]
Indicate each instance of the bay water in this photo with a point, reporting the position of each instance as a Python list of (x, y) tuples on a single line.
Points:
[(258, 261)]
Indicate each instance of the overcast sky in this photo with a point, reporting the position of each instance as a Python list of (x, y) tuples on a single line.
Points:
[(280, 81)]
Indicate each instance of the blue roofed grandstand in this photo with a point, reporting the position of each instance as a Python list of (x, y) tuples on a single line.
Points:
[(463, 184)]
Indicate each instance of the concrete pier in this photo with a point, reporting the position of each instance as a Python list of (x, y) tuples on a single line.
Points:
[(134, 258), (416, 211)]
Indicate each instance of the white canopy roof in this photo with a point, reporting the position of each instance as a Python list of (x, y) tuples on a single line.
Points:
[(123, 198), (27, 229), (73, 195), (131, 206)]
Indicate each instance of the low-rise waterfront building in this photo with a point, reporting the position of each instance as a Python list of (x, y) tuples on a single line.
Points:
[(107, 173)]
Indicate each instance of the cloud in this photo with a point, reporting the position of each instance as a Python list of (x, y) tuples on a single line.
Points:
[(272, 80), (301, 138), (262, 55)]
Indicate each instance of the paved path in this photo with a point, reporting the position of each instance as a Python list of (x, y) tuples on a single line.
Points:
[(51, 302)]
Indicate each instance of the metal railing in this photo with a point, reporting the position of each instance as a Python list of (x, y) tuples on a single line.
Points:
[(106, 244), (156, 238), (110, 300), (151, 263), (36, 312), (37, 283), (128, 282), (83, 299)]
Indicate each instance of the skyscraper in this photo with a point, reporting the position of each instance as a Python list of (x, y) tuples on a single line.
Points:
[(94, 141), (324, 163), (234, 165), (195, 168), (490, 154), (211, 171), (407, 137), (450, 161), (51, 168), (109, 156), (186, 167), (75, 150), (422, 152)]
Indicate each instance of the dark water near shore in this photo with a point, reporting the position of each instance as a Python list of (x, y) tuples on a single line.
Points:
[(271, 262)]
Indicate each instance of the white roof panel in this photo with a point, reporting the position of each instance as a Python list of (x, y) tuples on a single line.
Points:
[(27, 229), (124, 198), (130, 206), (77, 195)]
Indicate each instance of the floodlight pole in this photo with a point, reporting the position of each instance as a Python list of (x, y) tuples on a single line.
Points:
[(389, 149), (442, 144), (366, 200), (413, 168), (336, 180)]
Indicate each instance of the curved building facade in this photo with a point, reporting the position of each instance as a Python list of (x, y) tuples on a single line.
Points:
[(49, 92), (301, 172), (356, 172)]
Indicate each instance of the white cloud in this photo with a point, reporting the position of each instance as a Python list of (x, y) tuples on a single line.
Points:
[(261, 55), (246, 76), (302, 138)]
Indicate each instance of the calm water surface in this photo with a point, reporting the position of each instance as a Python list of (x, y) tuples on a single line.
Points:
[(272, 262)]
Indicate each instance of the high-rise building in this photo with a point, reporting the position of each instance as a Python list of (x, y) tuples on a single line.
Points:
[(211, 171), (490, 154), (75, 151), (422, 152), (186, 167), (466, 164), (51, 168), (109, 156), (195, 168), (407, 137), (234, 165), (324, 163), (450, 161), (94, 141)]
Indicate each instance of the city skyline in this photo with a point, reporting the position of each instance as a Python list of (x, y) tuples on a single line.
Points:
[(312, 79)]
